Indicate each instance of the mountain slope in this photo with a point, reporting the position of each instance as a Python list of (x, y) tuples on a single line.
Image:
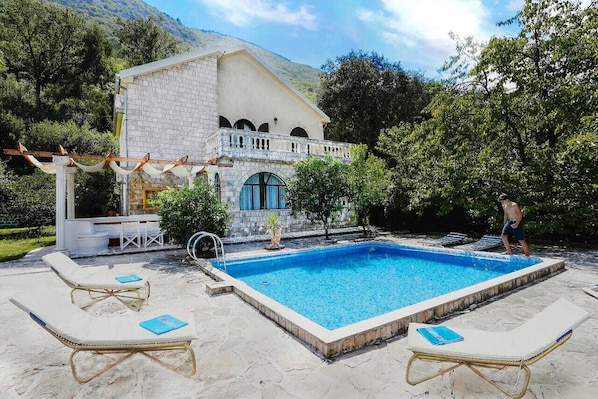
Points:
[(105, 12)]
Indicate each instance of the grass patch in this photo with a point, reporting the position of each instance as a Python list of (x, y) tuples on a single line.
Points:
[(15, 243)]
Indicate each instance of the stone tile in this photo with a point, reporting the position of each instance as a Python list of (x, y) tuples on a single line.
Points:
[(241, 354)]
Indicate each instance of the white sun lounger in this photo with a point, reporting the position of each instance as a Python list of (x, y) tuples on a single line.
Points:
[(109, 335), (517, 348), (99, 285), (593, 291)]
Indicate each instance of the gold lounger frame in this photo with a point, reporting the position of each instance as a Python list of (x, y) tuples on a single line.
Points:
[(132, 298), (473, 365), (126, 351)]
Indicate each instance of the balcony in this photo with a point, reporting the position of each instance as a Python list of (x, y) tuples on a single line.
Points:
[(234, 143)]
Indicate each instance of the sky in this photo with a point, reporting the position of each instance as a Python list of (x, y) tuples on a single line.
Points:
[(412, 32)]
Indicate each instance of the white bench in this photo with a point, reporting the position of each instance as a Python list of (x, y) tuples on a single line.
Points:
[(91, 236), (83, 239)]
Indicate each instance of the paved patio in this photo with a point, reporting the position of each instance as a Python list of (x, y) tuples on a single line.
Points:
[(241, 354)]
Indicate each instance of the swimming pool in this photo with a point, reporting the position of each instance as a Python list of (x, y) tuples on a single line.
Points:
[(344, 285), (371, 284)]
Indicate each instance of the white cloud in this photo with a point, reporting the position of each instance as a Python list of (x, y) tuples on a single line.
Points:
[(365, 15), (432, 20), (254, 12), (419, 29)]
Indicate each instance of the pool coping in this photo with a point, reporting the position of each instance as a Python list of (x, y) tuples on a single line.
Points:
[(331, 343)]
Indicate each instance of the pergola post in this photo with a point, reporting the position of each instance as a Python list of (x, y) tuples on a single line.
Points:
[(70, 192), (61, 163)]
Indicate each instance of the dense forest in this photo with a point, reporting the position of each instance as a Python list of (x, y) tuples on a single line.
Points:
[(516, 114), (106, 13)]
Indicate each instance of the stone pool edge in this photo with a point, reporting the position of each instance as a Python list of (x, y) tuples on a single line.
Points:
[(331, 343)]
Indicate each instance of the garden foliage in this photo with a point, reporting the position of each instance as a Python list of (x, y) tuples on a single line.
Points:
[(523, 121), (187, 210), (318, 189)]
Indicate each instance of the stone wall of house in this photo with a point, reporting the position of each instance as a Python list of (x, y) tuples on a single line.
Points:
[(244, 223), (247, 90), (140, 183), (232, 176), (171, 112)]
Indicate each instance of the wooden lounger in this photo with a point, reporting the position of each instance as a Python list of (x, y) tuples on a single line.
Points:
[(518, 348), (109, 335), (99, 285)]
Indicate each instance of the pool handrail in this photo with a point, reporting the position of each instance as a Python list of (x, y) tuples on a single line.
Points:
[(215, 239)]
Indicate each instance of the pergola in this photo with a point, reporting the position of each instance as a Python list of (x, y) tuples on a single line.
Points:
[(65, 165)]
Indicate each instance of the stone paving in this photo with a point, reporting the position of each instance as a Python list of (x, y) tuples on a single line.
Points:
[(241, 354)]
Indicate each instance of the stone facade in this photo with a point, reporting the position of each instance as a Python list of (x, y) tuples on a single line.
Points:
[(247, 91), (172, 108), (172, 111)]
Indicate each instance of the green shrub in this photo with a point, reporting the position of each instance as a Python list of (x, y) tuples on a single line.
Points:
[(93, 191), (30, 200), (186, 211)]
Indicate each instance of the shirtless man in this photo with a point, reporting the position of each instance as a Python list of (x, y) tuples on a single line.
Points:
[(513, 221)]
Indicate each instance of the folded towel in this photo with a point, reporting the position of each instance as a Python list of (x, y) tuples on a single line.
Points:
[(128, 278), (162, 324), (440, 335)]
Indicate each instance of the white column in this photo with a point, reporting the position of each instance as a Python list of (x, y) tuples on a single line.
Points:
[(70, 192), (61, 163)]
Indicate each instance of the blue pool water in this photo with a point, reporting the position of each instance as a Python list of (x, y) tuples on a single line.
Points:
[(341, 285)]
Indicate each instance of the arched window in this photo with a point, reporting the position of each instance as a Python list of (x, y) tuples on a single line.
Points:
[(263, 191), (264, 127), (244, 124), (299, 132), (224, 122), (217, 187)]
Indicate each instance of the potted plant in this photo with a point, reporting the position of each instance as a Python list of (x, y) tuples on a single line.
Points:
[(274, 229)]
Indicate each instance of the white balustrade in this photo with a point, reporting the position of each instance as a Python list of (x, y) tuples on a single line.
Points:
[(240, 143)]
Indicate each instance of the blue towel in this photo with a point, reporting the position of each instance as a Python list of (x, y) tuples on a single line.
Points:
[(162, 324), (128, 278), (440, 335)]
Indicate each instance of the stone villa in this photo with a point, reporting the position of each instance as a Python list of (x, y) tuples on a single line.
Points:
[(227, 108)]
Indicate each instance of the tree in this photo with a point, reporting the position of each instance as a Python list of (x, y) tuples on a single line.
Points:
[(543, 87), (369, 181), (53, 66), (187, 210), (143, 40), (544, 73), (41, 42), (28, 200), (318, 189), (364, 93), (35, 202), (93, 190), (519, 125)]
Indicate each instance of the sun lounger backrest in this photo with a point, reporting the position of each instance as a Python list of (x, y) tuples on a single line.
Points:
[(53, 312), (65, 320), (548, 327), (61, 264)]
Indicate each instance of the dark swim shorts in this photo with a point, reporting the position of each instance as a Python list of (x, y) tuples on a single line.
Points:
[(509, 230)]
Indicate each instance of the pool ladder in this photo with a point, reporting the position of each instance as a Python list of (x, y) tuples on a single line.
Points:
[(218, 247)]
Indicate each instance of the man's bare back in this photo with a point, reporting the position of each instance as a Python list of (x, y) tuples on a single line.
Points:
[(513, 224)]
